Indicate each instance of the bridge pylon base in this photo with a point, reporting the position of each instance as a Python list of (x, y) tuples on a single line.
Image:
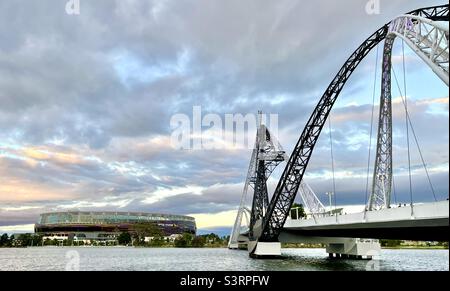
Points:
[(356, 249), (264, 250), (233, 246), (238, 246)]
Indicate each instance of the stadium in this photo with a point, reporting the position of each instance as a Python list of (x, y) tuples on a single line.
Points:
[(107, 226)]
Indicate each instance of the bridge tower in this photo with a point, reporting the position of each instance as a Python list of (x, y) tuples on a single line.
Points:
[(267, 154), (429, 39)]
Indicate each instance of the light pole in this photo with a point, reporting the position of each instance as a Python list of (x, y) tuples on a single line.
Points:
[(330, 194)]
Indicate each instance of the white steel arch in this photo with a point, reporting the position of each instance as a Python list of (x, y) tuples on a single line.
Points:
[(430, 41)]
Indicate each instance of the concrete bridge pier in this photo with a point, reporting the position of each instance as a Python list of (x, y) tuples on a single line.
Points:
[(264, 250), (337, 247), (354, 249)]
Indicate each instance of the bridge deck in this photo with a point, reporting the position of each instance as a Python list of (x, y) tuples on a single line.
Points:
[(430, 222)]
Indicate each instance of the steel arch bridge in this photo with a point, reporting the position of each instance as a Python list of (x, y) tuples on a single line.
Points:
[(425, 30)]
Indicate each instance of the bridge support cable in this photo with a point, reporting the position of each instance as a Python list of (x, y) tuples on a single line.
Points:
[(310, 200), (332, 166), (394, 189), (292, 176), (235, 232), (411, 198), (416, 139)]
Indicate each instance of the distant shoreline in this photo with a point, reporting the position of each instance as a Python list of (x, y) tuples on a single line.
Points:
[(416, 248)]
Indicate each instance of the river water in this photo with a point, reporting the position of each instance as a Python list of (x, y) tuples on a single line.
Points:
[(151, 259)]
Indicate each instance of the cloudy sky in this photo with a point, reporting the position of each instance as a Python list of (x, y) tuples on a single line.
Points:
[(86, 102)]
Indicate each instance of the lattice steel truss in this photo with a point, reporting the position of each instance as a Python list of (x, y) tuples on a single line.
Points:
[(382, 179), (266, 156), (428, 38)]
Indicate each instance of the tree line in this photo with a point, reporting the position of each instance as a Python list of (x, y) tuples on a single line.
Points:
[(21, 240), (186, 240)]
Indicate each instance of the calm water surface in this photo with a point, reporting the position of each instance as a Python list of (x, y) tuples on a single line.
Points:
[(117, 258)]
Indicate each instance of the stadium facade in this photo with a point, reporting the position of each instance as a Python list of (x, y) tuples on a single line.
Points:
[(107, 226)]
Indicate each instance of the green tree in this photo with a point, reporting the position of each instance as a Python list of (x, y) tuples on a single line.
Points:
[(24, 240), (390, 243), (49, 242), (138, 241), (226, 238), (184, 240), (124, 238), (27, 240), (37, 240), (212, 238), (443, 244), (198, 242), (301, 211), (157, 241), (4, 240), (142, 230)]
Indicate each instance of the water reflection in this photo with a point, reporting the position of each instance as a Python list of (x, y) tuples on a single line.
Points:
[(117, 258)]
